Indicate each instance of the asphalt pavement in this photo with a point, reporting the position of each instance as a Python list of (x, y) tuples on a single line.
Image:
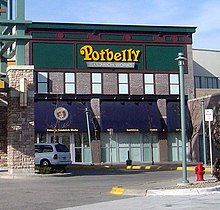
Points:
[(158, 193)]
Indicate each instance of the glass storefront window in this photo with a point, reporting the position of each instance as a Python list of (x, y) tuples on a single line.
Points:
[(78, 140), (42, 82), (174, 84), (85, 140), (69, 82), (149, 83), (42, 88), (123, 83), (96, 83), (40, 138), (42, 76)]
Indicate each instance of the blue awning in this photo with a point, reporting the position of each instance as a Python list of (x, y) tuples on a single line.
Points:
[(74, 119), (130, 116), (174, 117)]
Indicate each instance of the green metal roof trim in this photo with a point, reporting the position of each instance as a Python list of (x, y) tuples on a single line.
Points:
[(112, 27)]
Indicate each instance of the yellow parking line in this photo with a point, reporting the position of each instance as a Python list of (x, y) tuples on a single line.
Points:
[(192, 169), (187, 168), (136, 167), (118, 190), (207, 169)]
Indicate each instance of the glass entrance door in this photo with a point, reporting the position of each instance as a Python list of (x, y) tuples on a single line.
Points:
[(129, 145), (78, 147), (77, 143), (175, 147), (63, 138)]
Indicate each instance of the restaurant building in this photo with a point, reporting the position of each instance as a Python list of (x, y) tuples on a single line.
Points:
[(110, 92)]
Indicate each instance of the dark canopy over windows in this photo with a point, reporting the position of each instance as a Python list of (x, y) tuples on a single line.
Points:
[(130, 116), (76, 121), (174, 118)]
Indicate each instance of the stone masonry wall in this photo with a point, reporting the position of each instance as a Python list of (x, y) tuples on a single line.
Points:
[(20, 122), (3, 130)]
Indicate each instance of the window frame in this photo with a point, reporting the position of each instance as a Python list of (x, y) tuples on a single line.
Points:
[(46, 82), (175, 84), (96, 83), (211, 82), (122, 84), (70, 83), (198, 82), (149, 84)]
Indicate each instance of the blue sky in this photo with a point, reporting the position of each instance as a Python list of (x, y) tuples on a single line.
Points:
[(204, 14)]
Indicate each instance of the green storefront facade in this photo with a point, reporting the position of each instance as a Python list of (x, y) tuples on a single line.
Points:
[(124, 78)]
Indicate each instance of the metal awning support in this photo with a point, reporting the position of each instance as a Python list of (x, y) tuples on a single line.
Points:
[(12, 31)]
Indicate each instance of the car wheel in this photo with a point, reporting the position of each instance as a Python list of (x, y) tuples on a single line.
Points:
[(45, 163)]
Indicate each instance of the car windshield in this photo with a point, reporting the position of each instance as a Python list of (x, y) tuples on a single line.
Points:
[(61, 148)]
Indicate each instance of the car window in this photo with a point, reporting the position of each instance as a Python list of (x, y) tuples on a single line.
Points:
[(61, 148), (47, 148), (38, 149)]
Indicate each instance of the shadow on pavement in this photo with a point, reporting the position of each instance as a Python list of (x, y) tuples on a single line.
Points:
[(82, 170)]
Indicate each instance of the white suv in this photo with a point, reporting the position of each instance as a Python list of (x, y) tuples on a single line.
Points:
[(52, 154)]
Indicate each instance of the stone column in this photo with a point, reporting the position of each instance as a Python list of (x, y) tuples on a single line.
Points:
[(162, 137), (20, 128), (96, 147), (3, 129)]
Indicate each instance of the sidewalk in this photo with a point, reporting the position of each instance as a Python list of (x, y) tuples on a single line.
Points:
[(174, 187)]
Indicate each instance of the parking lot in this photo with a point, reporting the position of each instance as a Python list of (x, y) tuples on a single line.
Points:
[(78, 187)]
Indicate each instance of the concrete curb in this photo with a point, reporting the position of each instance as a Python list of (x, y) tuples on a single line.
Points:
[(185, 191), (135, 167), (123, 191), (163, 192), (34, 176)]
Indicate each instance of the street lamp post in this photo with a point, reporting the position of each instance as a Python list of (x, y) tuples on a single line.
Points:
[(110, 141), (180, 60), (88, 130)]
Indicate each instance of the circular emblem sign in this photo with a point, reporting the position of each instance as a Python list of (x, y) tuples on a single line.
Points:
[(61, 113)]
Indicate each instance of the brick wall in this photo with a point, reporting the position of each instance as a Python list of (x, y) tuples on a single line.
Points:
[(56, 82), (163, 146), (162, 87), (83, 83), (110, 83), (136, 84)]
